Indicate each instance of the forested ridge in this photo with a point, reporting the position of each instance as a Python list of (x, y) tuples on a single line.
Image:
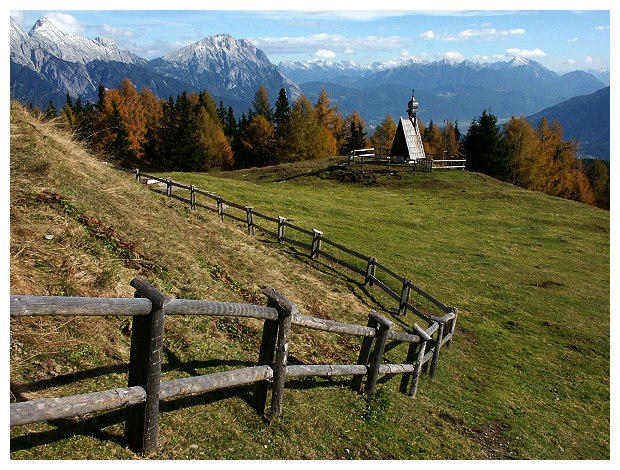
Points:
[(194, 133)]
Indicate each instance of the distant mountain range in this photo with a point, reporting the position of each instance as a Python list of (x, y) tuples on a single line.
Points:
[(601, 74), (46, 63), (584, 118), (445, 89)]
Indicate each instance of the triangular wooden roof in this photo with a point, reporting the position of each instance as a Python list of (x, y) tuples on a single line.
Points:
[(407, 141)]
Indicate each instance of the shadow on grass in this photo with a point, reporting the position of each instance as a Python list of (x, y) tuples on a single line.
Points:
[(95, 427), (190, 367), (321, 171), (360, 290)]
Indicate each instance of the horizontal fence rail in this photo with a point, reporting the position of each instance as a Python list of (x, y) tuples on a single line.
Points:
[(441, 164), (315, 246), (26, 305), (381, 157), (145, 389)]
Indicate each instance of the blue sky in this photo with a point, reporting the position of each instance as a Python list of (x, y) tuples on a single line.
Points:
[(560, 40)]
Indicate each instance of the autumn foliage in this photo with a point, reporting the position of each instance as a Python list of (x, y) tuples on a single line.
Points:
[(193, 133), (533, 158)]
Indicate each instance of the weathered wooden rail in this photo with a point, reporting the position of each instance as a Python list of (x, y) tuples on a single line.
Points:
[(315, 247), (145, 390), (380, 157), (449, 164), (372, 161)]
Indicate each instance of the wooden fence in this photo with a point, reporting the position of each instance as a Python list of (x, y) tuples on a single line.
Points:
[(449, 164), (314, 243), (145, 390), (380, 157), (372, 161)]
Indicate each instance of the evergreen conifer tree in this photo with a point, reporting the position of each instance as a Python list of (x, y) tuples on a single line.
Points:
[(283, 111), (69, 101), (357, 137), (100, 96), (485, 147), (231, 124), (283, 129), (50, 111)]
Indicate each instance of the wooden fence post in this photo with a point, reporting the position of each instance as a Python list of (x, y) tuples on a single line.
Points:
[(281, 225), (138, 175), (377, 353), (404, 297), (371, 270), (249, 217), (168, 188), (265, 357), (364, 356), (452, 326), (220, 208), (145, 369), (192, 197), (430, 344), (286, 309), (316, 243), (436, 349), (411, 357), (418, 367)]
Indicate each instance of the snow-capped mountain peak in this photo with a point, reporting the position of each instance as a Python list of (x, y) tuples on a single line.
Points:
[(518, 61), (45, 36), (218, 48), (227, 64)]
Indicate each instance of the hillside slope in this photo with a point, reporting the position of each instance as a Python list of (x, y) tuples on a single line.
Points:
[(584, 118), (527, 376)]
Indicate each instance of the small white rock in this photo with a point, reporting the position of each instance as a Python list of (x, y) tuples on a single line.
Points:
[(48, 236)]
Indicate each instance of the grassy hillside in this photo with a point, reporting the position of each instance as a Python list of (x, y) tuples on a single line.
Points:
[(527, 376)]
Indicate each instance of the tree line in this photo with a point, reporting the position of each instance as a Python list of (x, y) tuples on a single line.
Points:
[(536, 158), (194, 133)]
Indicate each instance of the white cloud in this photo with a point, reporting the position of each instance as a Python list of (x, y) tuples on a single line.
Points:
[(601, 27), (404, 53), (514, 52), (348, 50), (484, 34), (114, 31), (66, 23), (575, 39), (18, 16), (357, 15), (588, 60), (569, 61), (453, 55), (333, 42), (472, 13), (325, 54), (427, 34), (350, 15)]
